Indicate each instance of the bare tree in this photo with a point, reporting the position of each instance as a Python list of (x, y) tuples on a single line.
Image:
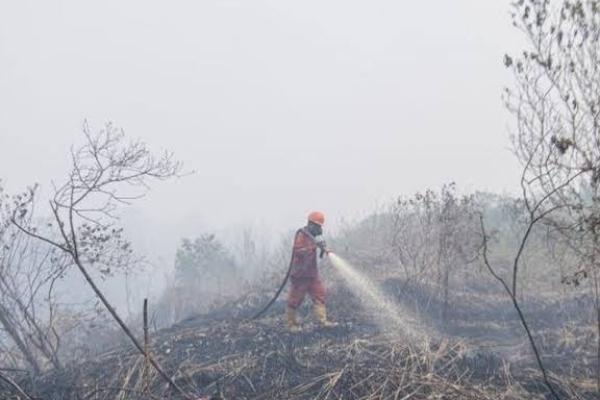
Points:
[(413, 233), (29, 271), (106, 172), (556, 104), (433, 235), (510, 287), (28, 275)]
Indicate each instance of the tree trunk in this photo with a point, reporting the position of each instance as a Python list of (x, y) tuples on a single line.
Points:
[(14, 335)]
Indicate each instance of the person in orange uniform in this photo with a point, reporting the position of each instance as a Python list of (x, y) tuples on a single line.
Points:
[(305, 274)]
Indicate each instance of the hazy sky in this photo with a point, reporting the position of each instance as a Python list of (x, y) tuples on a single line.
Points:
[(280, 106)]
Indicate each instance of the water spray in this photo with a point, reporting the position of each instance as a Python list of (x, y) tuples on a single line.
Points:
[(386, 313)]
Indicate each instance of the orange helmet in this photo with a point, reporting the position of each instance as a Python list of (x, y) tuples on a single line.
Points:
[(317, 217)]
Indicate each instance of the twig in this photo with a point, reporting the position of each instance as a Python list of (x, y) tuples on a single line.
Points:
[(15, 386), (515, 302), (145, 381)]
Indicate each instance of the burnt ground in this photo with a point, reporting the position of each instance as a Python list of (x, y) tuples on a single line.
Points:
[(481, 354), (486, 321)]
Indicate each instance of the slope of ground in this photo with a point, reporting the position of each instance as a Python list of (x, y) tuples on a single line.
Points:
[(260, 360), (226, 355)]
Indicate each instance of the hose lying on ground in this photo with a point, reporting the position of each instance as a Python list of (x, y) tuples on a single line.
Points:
[(324, 251), (270, 303)]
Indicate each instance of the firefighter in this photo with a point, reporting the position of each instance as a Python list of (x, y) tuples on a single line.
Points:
[(304, 273)]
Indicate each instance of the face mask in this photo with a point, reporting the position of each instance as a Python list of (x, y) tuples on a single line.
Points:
[(315, 230)]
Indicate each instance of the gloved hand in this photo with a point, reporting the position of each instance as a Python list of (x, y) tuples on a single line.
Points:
[(323, 252), (323, 247)]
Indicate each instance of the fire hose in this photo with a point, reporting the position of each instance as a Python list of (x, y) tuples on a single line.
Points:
[(287, 277)]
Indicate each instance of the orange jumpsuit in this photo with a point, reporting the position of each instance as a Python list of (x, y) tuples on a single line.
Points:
[(305, 275)]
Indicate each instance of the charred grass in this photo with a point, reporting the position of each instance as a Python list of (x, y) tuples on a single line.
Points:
[(225, 355)]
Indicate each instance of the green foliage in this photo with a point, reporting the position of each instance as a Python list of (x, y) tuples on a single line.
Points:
[(201, 259)]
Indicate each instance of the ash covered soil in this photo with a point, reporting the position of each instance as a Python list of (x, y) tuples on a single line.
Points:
[(226, 355)]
